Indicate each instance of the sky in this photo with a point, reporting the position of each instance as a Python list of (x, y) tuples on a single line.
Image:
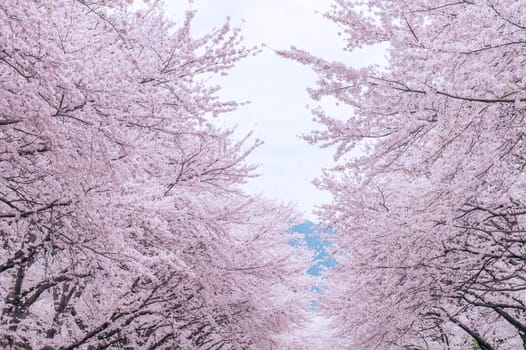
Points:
[(276, 88)]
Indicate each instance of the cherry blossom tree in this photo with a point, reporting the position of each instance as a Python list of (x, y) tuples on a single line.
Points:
[(431, 212), (122, 222)]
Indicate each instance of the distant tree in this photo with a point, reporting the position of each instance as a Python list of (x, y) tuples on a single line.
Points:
[(122, 223), (431, 214)]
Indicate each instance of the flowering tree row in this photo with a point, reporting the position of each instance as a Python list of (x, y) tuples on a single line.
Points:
[(122, 224), (432, 211)]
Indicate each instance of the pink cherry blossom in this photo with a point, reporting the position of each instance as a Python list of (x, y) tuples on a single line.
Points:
[(431, 212), (122, 221)]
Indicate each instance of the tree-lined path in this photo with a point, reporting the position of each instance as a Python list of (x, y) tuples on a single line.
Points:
[(126, 221)]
